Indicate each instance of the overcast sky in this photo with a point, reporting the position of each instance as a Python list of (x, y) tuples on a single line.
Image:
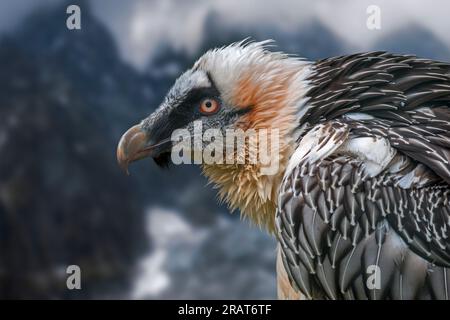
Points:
[(138, 25)]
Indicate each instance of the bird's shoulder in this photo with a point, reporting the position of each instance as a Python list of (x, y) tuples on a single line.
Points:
[(374, 83)]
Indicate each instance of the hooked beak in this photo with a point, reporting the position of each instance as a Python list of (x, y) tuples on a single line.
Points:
[(132, 146)]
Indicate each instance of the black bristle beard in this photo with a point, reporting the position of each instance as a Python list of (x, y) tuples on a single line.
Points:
[(163, 160)]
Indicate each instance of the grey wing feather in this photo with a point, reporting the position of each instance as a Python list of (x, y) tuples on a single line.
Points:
[(343, 221), (338, 259)]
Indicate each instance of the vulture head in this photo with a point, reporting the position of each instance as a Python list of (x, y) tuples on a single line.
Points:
[(245, 87)]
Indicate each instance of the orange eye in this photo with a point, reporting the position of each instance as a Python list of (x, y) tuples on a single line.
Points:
[(209, 106)]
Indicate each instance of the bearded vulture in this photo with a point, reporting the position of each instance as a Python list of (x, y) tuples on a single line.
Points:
[(360, 201)]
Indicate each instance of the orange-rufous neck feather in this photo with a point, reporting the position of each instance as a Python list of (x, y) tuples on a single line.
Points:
[(276, 93)]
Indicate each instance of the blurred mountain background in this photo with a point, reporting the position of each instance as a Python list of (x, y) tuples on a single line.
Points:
[(65, 99)]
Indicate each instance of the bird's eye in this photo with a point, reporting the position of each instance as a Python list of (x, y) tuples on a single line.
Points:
[(209, 106)]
